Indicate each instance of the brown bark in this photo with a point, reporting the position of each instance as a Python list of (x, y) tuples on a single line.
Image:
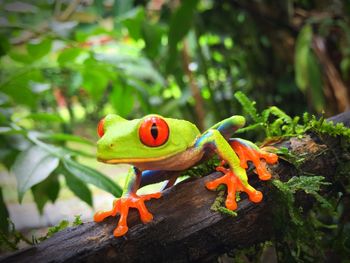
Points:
[(184, 227), (332, 75)]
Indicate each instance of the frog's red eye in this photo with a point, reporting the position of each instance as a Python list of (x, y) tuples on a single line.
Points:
[(154, 131), (100, 128)]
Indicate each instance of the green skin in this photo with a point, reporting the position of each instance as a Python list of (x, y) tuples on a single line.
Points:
[(184, 148)]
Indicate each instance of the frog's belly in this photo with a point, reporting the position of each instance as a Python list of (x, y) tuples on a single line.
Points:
[(177, 162)]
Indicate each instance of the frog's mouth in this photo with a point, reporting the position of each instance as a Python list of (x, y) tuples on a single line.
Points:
[(173, 162), (133, 160)]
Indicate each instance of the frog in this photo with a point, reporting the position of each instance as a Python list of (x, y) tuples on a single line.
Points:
[(159, 149)]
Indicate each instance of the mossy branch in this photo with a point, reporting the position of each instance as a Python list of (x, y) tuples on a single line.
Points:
[(186, 229)]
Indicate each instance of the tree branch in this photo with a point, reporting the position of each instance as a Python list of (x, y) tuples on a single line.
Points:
[(184, 227)]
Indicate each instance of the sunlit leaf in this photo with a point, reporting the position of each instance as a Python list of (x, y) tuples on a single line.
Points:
[(31, 167), (10, 131), (133, 22), (40, 49), (122, 99), (95, 82), (20, 56), (45, 117), (68, 56), (65, 137), (91, 176), (302, 51)]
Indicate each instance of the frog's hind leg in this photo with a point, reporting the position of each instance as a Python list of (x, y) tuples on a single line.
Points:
[(248, 151)]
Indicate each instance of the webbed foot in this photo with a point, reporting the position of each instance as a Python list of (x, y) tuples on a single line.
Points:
[(234, 185), (122, 206), (249, 152)]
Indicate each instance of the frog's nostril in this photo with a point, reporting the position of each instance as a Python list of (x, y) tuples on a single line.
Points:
[(111, 145)]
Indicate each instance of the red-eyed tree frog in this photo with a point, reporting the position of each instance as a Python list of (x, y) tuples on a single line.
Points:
[(155, 145)]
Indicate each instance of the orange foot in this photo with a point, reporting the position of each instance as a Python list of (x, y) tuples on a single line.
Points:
[(122, 206), (233, 185), (246, 153)]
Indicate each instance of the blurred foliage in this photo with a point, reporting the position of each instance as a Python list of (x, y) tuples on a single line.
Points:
[(65, 64)]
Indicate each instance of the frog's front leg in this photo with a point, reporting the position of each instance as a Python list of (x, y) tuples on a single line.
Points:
[(129, 199), (235, 177)]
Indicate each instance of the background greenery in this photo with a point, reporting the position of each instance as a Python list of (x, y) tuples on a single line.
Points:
[(66, 64)]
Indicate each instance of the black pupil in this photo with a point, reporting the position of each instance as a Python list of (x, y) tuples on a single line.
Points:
[(154, 131)]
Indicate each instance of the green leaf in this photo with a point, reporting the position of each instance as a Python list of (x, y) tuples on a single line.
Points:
[(31, 167), (65, 137), (4, 215), (152, 35), (315, 83), (308, 75), (43, 116), (17, 86), (122, 99), (91, 176), (40, 49), (179, 26), (20, 56), (45, 191), (133, 20), (78, 188), (95, 82), (302, 50), (8, 156), (68, 56), (4, 45), (122, 7), (181, 21), (11, 131)]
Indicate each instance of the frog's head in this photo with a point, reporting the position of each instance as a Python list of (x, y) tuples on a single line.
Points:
[(142, 140)]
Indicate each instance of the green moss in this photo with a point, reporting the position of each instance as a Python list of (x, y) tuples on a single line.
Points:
[(11, 240), (217, 206), (202, 169)]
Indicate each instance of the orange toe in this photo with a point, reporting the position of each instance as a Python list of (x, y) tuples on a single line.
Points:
[(120, 231), (255, 196), (231, 204), (234, 185), (122, 206), (258, 157)]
